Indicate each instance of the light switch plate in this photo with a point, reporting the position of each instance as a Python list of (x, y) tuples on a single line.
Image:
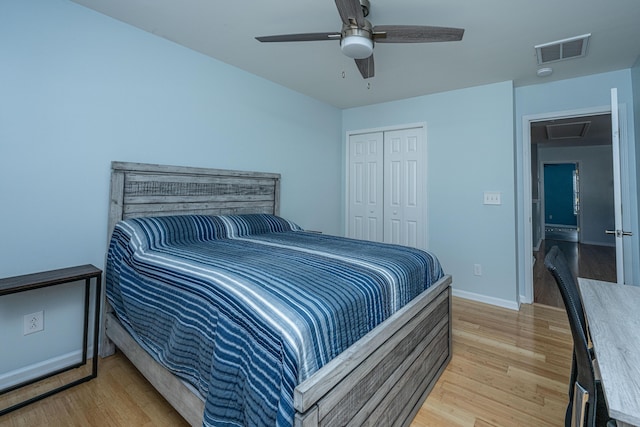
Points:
[(492, 198)]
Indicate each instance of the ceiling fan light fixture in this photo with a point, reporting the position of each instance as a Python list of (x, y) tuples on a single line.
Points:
[(356, 46)]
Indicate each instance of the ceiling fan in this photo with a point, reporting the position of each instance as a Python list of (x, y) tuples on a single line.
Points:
[(358, 35)]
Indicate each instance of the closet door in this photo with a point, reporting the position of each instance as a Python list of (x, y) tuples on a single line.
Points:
[(404, 188), (365, 199)]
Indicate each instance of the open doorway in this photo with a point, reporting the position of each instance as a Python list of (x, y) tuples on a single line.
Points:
[(571, 157)]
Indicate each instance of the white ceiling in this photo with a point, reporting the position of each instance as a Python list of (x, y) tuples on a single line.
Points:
[(498, 43)]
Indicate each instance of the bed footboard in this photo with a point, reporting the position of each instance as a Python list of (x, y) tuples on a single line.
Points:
[(385, 377)]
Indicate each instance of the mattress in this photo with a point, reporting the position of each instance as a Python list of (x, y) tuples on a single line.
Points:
[(245, 307)]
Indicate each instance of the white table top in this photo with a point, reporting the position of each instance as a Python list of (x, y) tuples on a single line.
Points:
[(613, 316)]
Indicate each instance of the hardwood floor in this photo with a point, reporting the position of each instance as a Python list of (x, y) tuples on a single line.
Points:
[(120, 396), (590, 261), (508, 368)]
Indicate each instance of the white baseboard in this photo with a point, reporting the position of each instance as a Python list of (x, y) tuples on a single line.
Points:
[(594, 243), (525, 300), (536, 248), (512, 305), (36, 370)]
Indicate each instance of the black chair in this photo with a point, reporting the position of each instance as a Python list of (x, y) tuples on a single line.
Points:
[(586, 406)]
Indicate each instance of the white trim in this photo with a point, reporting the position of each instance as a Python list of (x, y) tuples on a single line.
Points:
[(504, 303), (536, 248), (39, 369), (387, 128), (526, 248), (594, 243)]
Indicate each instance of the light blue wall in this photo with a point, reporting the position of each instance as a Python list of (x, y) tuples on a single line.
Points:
[(470, 150), (575, 94), (79, 89)]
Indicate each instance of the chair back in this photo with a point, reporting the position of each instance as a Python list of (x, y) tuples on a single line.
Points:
[(584, 401), (557, 264)]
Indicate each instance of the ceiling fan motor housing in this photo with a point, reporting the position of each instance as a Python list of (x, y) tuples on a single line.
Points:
[(357, 43)]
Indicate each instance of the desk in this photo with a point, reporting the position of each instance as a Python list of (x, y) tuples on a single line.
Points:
[(613, 316), (12, 285)]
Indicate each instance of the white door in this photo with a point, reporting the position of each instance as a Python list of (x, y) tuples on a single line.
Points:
[(404, 192), (617, 188), (366, 176)]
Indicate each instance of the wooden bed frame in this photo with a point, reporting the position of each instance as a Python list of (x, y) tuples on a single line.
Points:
[(382, 379)]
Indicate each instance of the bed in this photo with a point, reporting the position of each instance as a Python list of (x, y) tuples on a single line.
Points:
[(379, 378)]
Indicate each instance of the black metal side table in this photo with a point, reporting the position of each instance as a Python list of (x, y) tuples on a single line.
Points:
[(12, 285)]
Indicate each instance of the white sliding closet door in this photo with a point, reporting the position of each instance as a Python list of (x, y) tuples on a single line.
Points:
[(386, 187), (404, 190), (365, 187)]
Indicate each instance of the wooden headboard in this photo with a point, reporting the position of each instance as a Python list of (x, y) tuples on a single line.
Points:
[(139, 189)]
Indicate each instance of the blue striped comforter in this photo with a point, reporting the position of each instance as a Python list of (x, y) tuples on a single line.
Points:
[(246, 307)]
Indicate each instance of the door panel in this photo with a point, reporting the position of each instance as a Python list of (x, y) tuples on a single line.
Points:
[(365, 187), (559, 194), (404, 208), (619, 233)]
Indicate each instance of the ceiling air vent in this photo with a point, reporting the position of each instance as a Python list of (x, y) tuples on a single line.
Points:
[(568, 130), (574, 47)]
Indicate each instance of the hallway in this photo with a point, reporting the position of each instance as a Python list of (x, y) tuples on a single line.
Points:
[(590, 261)]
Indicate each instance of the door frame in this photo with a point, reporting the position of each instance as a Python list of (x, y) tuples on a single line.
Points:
[(423, 130), (526, 246)]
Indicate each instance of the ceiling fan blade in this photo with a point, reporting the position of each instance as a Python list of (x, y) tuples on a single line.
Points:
[(366, 67), (304, 37), (350, 10), (415, 34)]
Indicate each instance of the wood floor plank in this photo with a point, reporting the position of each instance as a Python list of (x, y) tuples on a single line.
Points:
[(477, 402), (509, 368)]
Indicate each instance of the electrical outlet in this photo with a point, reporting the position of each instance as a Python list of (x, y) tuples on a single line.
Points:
[(33, 322), (477, 269)]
